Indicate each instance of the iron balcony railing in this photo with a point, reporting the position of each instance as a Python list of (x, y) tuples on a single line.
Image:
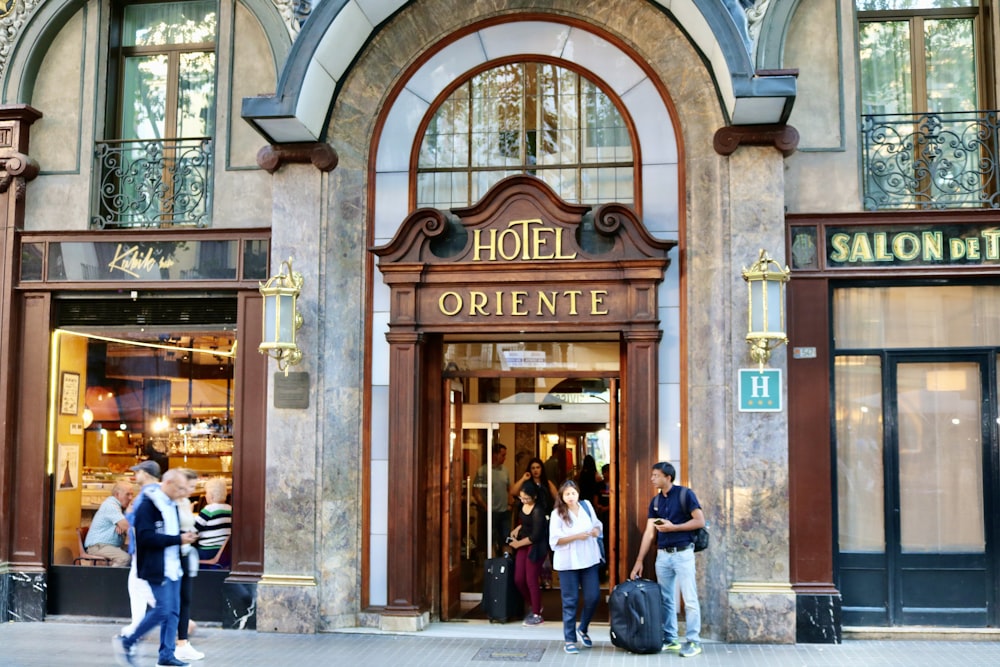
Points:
[(931, 160), (152, 183)]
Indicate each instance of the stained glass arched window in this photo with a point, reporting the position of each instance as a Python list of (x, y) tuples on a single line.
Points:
[(526, 118)]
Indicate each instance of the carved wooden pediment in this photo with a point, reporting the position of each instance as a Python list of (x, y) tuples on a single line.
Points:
[(521, 221)]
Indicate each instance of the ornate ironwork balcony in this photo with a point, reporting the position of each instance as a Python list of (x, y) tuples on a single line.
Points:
[(146, 183), (931, 160)]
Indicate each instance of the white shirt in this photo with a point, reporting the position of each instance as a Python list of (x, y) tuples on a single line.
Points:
[(171, 526), (578, 554)]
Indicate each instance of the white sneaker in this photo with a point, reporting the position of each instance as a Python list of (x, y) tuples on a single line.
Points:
[(188, 652)]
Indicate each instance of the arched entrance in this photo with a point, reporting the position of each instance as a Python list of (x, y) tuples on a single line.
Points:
[(525, 272)]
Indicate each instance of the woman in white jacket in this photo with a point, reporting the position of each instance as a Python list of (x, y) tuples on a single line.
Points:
[(573, 532)]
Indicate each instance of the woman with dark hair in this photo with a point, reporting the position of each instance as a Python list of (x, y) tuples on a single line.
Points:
[(573, 532), (528, 539), (536, 474), (546, 498)]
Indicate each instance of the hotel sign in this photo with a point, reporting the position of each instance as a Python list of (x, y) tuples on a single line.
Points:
[(522, 259), (760, 390), (912, 246)]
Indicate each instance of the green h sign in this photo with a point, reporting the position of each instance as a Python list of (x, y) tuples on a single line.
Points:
[(760, 390)]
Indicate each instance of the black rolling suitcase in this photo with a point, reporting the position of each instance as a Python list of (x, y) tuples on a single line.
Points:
[(501, 601), (636, 610)]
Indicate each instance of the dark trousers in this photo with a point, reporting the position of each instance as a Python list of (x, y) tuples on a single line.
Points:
[(570, 583), (184, 613), (526, 576), (164, 614)]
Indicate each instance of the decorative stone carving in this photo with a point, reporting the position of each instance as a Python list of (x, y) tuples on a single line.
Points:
[(13, 15)]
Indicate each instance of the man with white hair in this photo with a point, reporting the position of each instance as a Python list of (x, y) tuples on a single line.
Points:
[(108, 528), (158, 561)]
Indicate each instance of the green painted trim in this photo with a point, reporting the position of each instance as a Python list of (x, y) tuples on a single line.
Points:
[(31, 46), (279, 42), (82, 97)]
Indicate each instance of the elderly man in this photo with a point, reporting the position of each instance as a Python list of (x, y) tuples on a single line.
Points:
[(106, 536), (158, 561)]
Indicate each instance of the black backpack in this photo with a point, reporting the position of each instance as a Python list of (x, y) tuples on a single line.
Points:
[(700, 536)]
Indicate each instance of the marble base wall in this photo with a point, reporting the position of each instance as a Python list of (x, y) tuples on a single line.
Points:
[(287, 608), (25, 596), (818, 619), (239, 601), (761, 617)]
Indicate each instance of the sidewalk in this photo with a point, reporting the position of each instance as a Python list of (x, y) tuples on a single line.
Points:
[(79, 644)]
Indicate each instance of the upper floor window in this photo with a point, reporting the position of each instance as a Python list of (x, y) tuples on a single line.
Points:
[(919, 56), (927, 133), (167, 61), (526, 118), (156, 168)]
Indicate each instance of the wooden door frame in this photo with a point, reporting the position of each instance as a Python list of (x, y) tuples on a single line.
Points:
[(617, 258)]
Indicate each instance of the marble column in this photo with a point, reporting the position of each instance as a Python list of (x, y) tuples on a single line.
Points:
[(761, 604), (288, 592)]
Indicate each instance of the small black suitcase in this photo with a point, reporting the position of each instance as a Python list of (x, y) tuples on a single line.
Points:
[(636, 610), (501, 601)]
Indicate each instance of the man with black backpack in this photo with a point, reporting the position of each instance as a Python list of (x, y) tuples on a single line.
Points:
[(673, 517)]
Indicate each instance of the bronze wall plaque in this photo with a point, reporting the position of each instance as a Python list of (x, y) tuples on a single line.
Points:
[(291, 391)]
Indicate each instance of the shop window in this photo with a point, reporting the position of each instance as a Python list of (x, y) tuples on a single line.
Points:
[(121, 397), (526, 118), (157, 169)]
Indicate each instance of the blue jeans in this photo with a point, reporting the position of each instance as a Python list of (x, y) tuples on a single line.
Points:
[(570, 582), (673, 571), (165, 614)]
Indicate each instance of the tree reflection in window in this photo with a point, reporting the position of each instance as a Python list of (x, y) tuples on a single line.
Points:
[(526, 118)]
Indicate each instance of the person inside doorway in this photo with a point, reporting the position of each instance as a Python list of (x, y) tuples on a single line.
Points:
[(672, 527), (499, 499), (555, 465)]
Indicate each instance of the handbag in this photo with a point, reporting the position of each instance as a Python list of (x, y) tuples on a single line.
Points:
[(600, 540)]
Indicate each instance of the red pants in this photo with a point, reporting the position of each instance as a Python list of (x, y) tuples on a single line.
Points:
[(526, 575)]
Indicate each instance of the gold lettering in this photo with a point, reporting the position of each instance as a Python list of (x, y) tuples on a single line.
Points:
[(973, 249), (881, 251), (478, 245), (499, 302), (906, 246), (572, 294), (992, 237), (841, 247), (861, 249), (516, 303), (450, 296), (129, 262), (957, 249), (477, 303), (559, 252), (502, 243), (550, 303), (538, 242), (596, 301), (933, 246)]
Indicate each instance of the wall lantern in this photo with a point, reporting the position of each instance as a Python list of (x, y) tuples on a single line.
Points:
[(281, 317), (766, 307)]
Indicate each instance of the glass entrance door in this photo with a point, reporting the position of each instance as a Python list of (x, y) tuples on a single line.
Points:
[(915, 544), (499, 427)]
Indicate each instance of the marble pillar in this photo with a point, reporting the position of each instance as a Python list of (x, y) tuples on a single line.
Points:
[(287, 594), (761, 603)]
